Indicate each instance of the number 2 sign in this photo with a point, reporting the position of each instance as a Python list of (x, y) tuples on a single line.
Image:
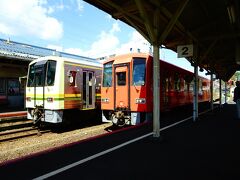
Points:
[(185, 50)]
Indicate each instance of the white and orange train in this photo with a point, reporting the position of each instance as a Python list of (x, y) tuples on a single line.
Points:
[(127, 88), (57, 87)]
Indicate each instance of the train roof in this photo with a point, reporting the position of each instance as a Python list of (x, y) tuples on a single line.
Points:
[(81, 60), (127, 58)]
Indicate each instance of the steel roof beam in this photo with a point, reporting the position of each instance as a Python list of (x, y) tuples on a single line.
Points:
[(173, 21), (129, 17), (146, 20)]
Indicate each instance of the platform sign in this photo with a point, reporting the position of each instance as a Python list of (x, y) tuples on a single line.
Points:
[(185, 50)]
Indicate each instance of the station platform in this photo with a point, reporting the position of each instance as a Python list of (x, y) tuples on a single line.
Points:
[(205, 149)]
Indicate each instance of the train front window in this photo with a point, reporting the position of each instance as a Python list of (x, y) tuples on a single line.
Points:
[(41, 73), (121, 78), (51, 69), (39, 76), (107, 74), (139, 66)]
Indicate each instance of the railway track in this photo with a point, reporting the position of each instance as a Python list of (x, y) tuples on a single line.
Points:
[(16, 134), (14, 123), (21, 142), (19, 128), (13, 128)]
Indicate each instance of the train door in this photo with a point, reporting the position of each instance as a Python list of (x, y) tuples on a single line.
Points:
[(88, 90), (122, 87)]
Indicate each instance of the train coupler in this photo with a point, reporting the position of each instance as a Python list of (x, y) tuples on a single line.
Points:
[(119, 118)]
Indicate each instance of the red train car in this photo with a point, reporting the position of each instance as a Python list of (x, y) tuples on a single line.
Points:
[(127, 88)]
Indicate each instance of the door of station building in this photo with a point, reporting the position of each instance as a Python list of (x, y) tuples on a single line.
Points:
[(122, 87), (88, 94)]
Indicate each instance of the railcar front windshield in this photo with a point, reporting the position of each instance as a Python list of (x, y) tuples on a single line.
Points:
[(42, 73), (139, 66), (107, 74)]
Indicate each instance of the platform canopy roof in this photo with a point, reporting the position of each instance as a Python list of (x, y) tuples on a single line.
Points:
[(212, 26)]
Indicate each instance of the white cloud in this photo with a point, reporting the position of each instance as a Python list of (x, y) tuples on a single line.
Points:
[(105, 44), (29, 17), (76, 51), (60, 6), (108, 43), (115, 28), (136, 42), (109, 17), (79, 5), (50, 10)]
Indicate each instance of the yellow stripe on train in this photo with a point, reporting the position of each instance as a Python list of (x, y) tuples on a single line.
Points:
[(54, 95)]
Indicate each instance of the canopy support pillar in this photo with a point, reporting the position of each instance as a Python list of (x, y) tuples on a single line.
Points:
[(195, 93), (156, 92), (225, 92), (211, 91)]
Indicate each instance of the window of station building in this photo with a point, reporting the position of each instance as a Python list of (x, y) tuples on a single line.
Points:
[(2, 86), (121, 78), (107, 74), (51, 70), (139, 66), (13, 87)]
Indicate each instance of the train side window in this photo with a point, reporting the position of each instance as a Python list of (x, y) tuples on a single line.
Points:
[(139, 67), (51, 70), (177, 82), (72, 78), (167, 85), (107, 74), (121, 78)]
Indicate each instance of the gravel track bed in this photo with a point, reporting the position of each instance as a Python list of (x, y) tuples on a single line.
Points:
[(18, 133), (9, 123), (25, 146)]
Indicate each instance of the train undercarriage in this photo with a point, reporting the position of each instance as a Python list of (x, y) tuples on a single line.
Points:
[(121, 118)]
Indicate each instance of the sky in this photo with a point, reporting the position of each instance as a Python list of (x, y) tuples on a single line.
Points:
[(74, 26)]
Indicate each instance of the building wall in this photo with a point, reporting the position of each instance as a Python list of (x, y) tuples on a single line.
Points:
[(12, 90)]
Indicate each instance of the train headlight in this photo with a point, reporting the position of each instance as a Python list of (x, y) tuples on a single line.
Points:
[(28, 99), (105, 100), (49, 99), (140, 101)]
